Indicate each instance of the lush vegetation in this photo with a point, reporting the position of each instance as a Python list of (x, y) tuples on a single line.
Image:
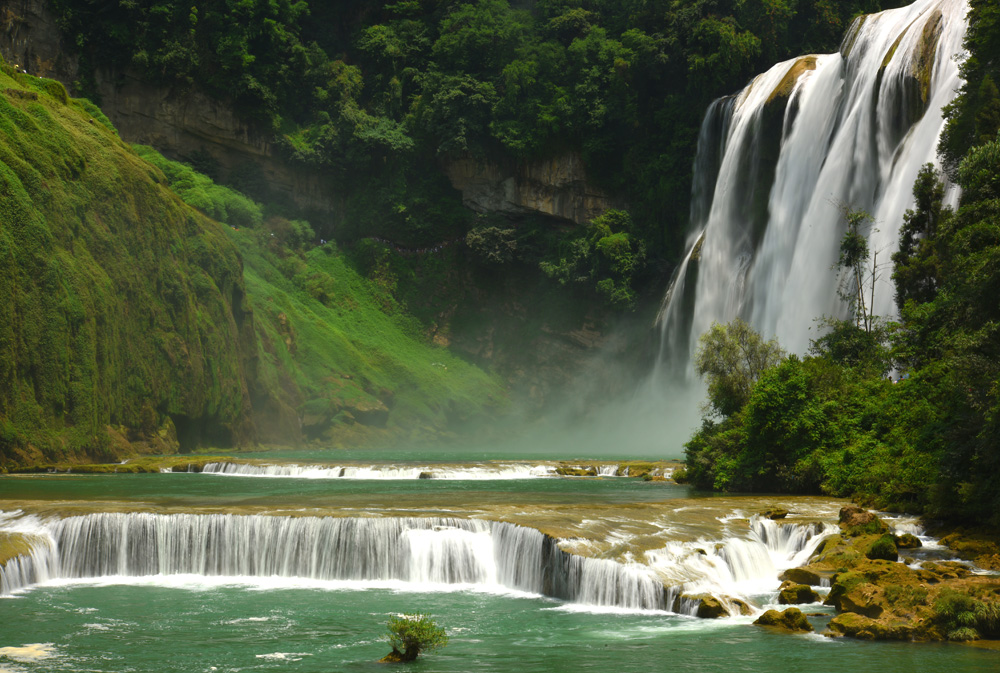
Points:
[(131, 320), (832, 421), (336, 351), (123, 313), (410, 635), (376, 92)]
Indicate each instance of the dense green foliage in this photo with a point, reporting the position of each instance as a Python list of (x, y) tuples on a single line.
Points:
[(128, 320), (335, 348), (120, 308), (376, 92), (967, 617), (410, 635), (830, 422)]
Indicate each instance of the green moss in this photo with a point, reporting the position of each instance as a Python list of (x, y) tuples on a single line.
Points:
[(12, 545), (883, 548), (116, 297)]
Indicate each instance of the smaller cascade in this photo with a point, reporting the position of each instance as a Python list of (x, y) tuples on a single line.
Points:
[(387, 472), (739, 566)]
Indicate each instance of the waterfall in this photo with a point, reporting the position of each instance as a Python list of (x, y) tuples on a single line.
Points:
[(426, 552), (736, 567), (393, 472), (422, 551), (778, 163)]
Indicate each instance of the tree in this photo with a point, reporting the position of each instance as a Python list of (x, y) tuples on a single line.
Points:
[(732, 357), (410, 635), (860, 275), (916, 267)]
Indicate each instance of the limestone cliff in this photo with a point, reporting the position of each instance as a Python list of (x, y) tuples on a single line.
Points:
[(557, 187)]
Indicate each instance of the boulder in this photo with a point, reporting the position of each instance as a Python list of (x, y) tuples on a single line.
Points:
[(908, 541), (791, 593), (774, 513), (710, 607), (883, 548), (801, 576), (857, 521), (791, 619)]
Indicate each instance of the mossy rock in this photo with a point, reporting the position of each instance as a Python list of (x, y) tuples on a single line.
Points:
[(806, 576), (866, 628), (883, 548), (791, 593), (791, 619), (908, 541), (710, 607), (576, 471), (857, 521), (774, 513), (13, 545)]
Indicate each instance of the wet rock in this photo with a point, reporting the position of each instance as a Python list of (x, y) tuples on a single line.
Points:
[(576, 471), (791, 593), (742, 606), (774, 513), (801, 576), (981, 548), (866, 628), (791, 619), (908, 541), (710, 607), (425, 475), (857, 521)]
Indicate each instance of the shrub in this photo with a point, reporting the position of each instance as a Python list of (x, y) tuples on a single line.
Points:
[(410, 635)]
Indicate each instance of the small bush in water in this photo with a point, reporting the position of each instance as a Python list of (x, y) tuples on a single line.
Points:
[(410, 635)]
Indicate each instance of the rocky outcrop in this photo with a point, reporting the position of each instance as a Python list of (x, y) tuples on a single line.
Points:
[(877, 598), (791, 619), (31, 40), (557, 187), (791, 593)]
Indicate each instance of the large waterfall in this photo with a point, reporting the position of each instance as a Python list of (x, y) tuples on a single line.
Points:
[(424, 552), (779, 162)]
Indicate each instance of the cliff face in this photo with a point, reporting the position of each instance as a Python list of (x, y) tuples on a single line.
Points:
[(556, 187), (183, 123), (178, 122)]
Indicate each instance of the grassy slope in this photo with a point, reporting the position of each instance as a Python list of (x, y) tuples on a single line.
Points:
[(126, 317), (338, 349), (121, 309)]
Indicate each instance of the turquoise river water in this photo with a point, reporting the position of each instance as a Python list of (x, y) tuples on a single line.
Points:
[(230, 573)]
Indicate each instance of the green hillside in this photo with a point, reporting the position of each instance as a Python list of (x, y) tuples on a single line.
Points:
[(128, 322)]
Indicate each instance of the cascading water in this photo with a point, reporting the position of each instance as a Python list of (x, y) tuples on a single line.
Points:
[(425, 551), (778, 163)]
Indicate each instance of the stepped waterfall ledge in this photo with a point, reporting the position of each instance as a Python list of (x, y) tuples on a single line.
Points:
[(779, 162), (424, 552)]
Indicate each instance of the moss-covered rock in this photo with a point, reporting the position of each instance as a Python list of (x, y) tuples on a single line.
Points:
[(806, 576), (883, 548), (791, 619), (709, 607), (791, 593), (908, 541), (774, 513), (856, 521)]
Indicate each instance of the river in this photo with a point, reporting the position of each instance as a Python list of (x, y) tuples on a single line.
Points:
[(223, 572)]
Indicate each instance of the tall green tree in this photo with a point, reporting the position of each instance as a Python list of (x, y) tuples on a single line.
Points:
[(732, 357)]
